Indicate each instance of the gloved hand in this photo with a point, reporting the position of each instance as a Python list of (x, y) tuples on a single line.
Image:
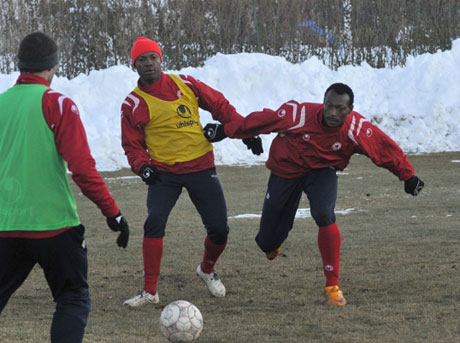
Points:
[(214, 132), (254, 144), (413, 186), (119, 223), (149, 174)]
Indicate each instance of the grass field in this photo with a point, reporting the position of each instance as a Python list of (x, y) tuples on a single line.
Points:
[(399, 270)]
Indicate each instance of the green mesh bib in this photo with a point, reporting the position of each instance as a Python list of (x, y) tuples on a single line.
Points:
[(35, 194)]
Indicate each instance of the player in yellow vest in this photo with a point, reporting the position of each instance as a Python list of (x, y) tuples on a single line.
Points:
[(164, 142)]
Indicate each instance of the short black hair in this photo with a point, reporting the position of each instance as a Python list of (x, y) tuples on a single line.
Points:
[(37, 51), (341, 88)]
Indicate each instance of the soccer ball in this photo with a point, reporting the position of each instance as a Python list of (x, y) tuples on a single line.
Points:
[(181, 321)]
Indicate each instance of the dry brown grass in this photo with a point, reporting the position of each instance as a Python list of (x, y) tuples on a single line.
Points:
[(399, 272)]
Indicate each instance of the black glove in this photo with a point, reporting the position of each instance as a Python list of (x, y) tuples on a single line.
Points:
[(413, 186), (119, 223), (149, 174), (214, 132), (254, 144)]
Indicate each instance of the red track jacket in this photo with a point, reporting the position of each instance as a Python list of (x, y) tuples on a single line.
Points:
[(303, 143)]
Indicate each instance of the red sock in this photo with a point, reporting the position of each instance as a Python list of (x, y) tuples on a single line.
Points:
[(329, 242), (212, 252), (152, 251)]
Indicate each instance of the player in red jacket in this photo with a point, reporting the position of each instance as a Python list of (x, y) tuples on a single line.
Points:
[(163, 140), (313, 142)]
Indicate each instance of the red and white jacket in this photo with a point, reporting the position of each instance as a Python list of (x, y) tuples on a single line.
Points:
[(62, 116), (303, 143), (135, 115)]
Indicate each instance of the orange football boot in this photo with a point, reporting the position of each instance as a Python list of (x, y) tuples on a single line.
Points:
[(271, 255), (334, 296)]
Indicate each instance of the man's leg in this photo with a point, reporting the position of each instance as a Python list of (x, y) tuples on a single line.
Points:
[(280, 206), (320, 185), (161, 198), (15, 266), (65, 264), (207, 195)]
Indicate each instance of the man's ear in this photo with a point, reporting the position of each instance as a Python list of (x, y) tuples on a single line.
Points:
[(49, 74)]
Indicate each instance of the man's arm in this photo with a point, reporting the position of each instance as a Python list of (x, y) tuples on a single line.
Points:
[(63, 119), (134, 116), (211, 100), (384, 152), (379, 147), (289, 115)]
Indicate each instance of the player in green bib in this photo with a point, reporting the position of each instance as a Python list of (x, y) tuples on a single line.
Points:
[(41, 136)]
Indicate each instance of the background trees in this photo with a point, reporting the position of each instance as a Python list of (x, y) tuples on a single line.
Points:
[(96, 34)]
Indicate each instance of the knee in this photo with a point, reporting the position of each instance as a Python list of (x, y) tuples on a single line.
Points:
[(323, 217), (154, 226), (218, 234), (74, 303)]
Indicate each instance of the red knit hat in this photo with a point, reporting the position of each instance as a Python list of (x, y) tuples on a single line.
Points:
[(143, 45)]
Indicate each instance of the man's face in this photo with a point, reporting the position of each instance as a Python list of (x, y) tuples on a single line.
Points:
[(148, 66), (336, 108)]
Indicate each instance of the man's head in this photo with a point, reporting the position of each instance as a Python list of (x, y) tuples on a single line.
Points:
[(146, 58), (37, 53), (337, 104)]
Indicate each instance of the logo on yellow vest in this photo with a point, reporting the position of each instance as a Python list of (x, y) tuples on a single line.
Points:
[(184, 112)]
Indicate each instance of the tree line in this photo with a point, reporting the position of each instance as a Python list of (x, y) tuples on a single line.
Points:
[(97, 34)]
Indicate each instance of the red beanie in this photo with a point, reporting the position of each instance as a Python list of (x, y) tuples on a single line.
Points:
[(143, 45)]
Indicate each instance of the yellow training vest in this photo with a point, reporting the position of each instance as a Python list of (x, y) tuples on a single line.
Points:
[(174, 132)]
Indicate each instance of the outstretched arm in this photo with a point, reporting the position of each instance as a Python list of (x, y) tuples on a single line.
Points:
[(211, 100), (384, 152), (289, 116)]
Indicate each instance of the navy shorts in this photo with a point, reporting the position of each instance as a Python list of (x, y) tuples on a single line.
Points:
[(282, 201), (206, 194)]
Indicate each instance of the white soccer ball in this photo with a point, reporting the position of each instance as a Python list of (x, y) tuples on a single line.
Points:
[(181, 321)]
